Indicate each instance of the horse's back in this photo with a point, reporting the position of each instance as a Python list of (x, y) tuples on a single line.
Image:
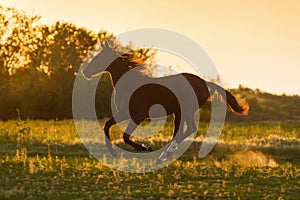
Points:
[(199, 86), (176, 93)]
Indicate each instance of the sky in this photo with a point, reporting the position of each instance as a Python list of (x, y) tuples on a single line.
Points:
[(255, 43)]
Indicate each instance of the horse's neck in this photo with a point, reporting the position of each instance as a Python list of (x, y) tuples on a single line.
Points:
[(130, 79), (117, 70), (116, 75)]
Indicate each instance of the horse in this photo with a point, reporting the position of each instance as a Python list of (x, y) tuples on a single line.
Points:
[(133, 102)]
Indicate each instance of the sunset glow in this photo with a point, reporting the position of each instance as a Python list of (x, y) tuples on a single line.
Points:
[(253, 43)]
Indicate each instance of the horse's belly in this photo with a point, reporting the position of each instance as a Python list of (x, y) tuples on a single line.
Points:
[(155, 100)]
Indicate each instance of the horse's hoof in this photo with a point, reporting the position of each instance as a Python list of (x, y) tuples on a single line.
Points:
[(147, 147), (163, 156), (159, 162), (167, 153), (172, 147), (112, 151)]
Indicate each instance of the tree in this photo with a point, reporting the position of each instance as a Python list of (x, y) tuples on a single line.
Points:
[(18, 36), (38, 65)]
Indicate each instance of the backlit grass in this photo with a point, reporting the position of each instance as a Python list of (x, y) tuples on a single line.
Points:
[(46, 160)]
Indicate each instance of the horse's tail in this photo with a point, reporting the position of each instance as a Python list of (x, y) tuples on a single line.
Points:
[(231, 101)]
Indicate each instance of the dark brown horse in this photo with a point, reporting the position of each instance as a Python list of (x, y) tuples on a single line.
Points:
[(136, 94)]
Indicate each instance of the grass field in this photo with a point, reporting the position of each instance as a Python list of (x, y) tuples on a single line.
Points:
[(46, 160)]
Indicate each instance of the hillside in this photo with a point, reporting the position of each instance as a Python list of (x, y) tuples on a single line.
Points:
[(265, 106)]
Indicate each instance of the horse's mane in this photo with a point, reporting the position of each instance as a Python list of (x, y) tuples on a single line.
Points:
[(132, 60)]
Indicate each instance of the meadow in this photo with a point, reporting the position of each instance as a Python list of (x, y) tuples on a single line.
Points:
[(46, 160)]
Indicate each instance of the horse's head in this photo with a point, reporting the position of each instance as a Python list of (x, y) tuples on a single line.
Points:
[(101, 61)]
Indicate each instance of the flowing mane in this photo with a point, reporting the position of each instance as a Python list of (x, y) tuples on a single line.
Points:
[(132, 60)]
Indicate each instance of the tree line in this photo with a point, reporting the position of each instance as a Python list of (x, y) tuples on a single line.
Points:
[(265, 106), (39, 63)]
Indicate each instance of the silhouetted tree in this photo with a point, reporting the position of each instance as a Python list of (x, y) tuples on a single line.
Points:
[(38, 65)]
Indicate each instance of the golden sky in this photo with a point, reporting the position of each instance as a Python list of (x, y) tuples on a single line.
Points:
[(255, 43)]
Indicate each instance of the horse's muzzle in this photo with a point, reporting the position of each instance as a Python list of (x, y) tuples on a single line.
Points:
[(86, 75)]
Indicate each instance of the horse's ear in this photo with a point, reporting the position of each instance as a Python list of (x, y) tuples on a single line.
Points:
[(104, 44)]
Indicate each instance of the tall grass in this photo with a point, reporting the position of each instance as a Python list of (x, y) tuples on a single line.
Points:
[(46, 160)]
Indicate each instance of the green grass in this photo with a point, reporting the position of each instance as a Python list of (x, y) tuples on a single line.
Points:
[(46, 160)]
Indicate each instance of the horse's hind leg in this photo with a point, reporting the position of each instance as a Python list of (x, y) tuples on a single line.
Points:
[(178, 124), (178, 131), (126, 136), (191, 127)]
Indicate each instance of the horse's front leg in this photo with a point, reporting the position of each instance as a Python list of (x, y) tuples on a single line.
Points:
[(108, 143), (126, 136), (119, 117)]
